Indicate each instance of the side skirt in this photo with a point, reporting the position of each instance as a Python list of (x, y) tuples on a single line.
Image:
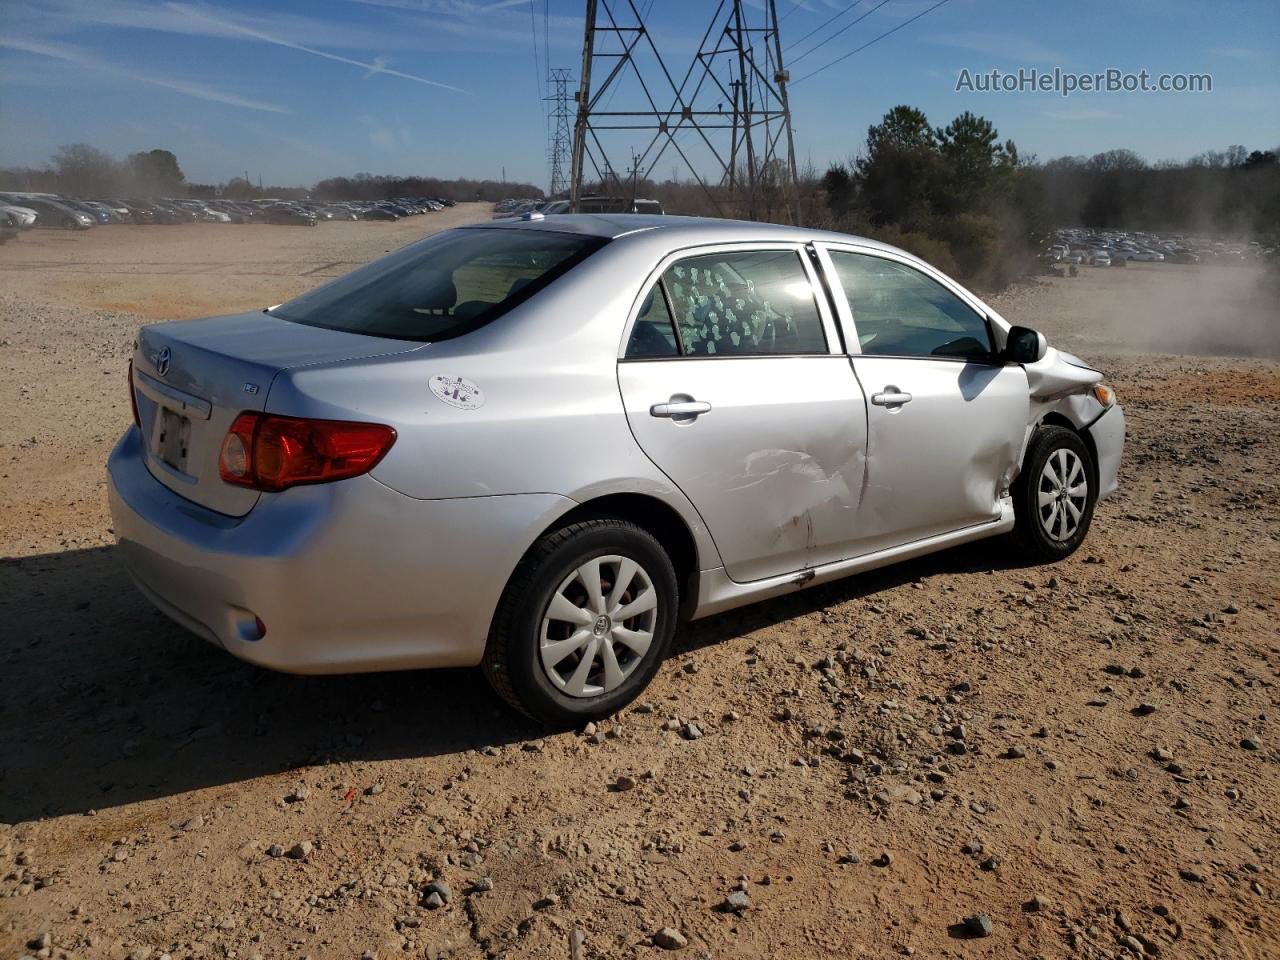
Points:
[(717, 593)]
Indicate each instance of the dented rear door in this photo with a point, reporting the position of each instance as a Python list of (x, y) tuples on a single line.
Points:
[(770, 447)]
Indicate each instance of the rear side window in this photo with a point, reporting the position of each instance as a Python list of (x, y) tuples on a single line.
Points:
[(898, 311), (653, 334), (444, 286), (750, 303)]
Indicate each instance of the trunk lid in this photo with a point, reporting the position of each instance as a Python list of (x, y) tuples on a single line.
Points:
[(191, 379)]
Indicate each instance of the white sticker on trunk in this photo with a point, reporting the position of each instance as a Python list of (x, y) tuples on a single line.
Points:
[(457, 392)]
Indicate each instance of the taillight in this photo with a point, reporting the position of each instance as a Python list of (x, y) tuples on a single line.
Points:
[(269, 452), (133, 398)]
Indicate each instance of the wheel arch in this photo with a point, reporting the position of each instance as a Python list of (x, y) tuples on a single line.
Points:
[(1056, 419), (653, 515)]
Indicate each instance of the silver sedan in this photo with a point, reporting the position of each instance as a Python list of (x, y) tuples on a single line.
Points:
[(538, 445)]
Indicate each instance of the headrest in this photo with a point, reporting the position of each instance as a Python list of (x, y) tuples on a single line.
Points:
[(429, 290)]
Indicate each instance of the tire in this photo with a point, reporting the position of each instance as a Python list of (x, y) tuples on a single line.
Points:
[(556, 692), (69, 224), (1054, 529)]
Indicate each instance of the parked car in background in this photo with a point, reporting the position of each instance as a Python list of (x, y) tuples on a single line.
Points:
[(593, 204), (766, 408), (158, 212), (53, 213), (377, 213), (13, 221), (284, 213), (134, 213), (99, 211), (19, 217)]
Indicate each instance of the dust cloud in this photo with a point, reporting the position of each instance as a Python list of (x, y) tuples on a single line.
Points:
[(1167, 309)]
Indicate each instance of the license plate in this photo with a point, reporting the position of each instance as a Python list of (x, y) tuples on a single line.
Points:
[(175, 433)]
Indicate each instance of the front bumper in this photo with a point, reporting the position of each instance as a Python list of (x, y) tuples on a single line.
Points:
[(1108, 439), (347, 577)]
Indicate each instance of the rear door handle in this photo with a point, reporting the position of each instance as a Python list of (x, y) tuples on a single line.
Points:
[(680, 408), (890, 397)]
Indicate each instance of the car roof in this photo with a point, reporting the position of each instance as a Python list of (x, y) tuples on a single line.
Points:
[(612, 226)]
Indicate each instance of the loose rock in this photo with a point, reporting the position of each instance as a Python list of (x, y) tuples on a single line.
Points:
[(978, 925), (669, 938)]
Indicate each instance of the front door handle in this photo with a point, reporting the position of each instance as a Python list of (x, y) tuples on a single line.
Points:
[(679, 409), (890, 397)]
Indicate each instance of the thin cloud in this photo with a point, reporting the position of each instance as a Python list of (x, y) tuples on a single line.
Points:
[(280, 41), (300, 147), (503, 22), (1000, 46), (1243, 54), (1084, 115), (55, 17), (80, 58)]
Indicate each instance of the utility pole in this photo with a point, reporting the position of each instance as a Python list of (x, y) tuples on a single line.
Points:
[(781, 77), (581, 121), (643, 107), (745, 112)]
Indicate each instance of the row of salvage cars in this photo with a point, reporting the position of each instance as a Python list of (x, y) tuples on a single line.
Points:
[(1109, 248), (21, 211)]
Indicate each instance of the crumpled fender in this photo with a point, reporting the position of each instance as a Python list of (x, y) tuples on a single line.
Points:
[(1060, 383), (1059, 375)]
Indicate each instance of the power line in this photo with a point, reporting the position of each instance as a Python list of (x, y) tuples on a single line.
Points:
[(837, 16), (853, 23), (533, 31), (875, 40), (795, 5)]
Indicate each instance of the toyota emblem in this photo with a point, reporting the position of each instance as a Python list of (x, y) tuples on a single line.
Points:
[(162, 360)]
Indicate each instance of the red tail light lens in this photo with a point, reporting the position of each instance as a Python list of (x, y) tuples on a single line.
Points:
[(133, 399), (270, 453)]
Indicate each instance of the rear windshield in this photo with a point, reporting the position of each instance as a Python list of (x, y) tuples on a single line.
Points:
[(444, 286)]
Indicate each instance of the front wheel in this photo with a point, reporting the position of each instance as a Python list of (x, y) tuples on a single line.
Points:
[(584, 623), (1054, 496)]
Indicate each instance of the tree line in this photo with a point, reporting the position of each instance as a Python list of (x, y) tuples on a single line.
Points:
[(957, 195), (82, 170), (967, 201)]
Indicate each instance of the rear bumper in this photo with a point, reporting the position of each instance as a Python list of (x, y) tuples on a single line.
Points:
[(1108, 439), (347, 577)]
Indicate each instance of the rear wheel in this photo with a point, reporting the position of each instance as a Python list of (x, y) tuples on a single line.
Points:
[(584, 623), (1054, 496)]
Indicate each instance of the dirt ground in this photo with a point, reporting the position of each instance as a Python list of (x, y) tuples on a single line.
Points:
[(1086, 753)]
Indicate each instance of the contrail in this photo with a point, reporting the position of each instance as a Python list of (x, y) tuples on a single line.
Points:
[(72, 55), (278, 41)]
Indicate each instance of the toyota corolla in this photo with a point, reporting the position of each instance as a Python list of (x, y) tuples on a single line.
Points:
[(537, 446)]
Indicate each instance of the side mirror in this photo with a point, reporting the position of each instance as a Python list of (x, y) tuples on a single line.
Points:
[(1024, 345)]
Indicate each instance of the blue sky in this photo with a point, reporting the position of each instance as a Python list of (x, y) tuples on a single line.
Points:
[(298, 91)]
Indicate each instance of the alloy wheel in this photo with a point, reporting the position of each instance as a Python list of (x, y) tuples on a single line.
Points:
[(1062, 494), (598, 626)]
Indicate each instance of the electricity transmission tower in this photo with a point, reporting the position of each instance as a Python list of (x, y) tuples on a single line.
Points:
[(725, 116), (560, 141)]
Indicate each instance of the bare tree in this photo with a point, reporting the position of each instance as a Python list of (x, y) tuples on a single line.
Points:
[(85, 170)]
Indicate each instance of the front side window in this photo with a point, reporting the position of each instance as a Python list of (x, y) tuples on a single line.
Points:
[(444, 286), (750, 303), (899, 311)]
